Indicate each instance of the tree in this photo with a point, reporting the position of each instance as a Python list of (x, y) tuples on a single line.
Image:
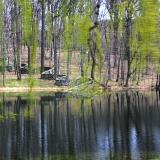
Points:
[(93, 48), (2, 61), (42, 34)]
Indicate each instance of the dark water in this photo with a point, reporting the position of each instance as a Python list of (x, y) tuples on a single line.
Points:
[(121, 126)]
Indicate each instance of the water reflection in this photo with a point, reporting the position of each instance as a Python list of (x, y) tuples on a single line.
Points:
[(120, 126)]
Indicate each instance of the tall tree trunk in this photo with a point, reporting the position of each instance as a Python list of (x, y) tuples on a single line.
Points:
[(138, 76), (118, 69), (59, 53), (14, 52), (122, 71), (128, 73), (51, 55), (115, 44), (54, 41), (109, 66), (127, 46), (13, 35), (68, 64), (29, 56), (55, 57), (113, 8), (158, 82), (92, 38), (42, 35), (3, 51), (18, 40), (93, 66), (82, 63)]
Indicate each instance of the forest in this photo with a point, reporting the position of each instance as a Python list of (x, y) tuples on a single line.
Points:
[(79, 79), (69, 42)]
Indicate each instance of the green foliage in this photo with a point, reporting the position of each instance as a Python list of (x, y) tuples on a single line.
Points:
[(77, 19), (82, 25), (148, 29), (68, 32), (33, 55), (29, 34), (145, 36), (86, 88), (26, 13)]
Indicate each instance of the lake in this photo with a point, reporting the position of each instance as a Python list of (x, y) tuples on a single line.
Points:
[(119, 126)]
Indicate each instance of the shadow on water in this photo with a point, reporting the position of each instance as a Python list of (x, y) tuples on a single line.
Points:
[(121, 126)]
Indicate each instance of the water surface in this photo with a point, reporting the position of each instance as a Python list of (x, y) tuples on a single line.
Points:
[(122, 126)]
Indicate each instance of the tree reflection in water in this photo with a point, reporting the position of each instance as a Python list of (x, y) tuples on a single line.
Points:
[(120, 126)]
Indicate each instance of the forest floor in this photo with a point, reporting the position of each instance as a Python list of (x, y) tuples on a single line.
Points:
[(145, 84), (13, 85)]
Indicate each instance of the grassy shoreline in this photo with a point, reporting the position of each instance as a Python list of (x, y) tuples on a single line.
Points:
[(73, 88), (12, 85)]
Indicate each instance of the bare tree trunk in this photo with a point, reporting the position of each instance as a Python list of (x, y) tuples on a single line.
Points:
[(122, 72), (127, 47), (29, 56), (55, 57), (51, 55), (128, 73), (93, 67), (109, 66), (54, 41), (18, 40), (92, 39), (42, 35), (3, 67), (59, 54), (82, 63), (138, 78), (13, 35), (92, 49), (118, 69), (115, 44), (14, 52), (158, 82), (68, 64)]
